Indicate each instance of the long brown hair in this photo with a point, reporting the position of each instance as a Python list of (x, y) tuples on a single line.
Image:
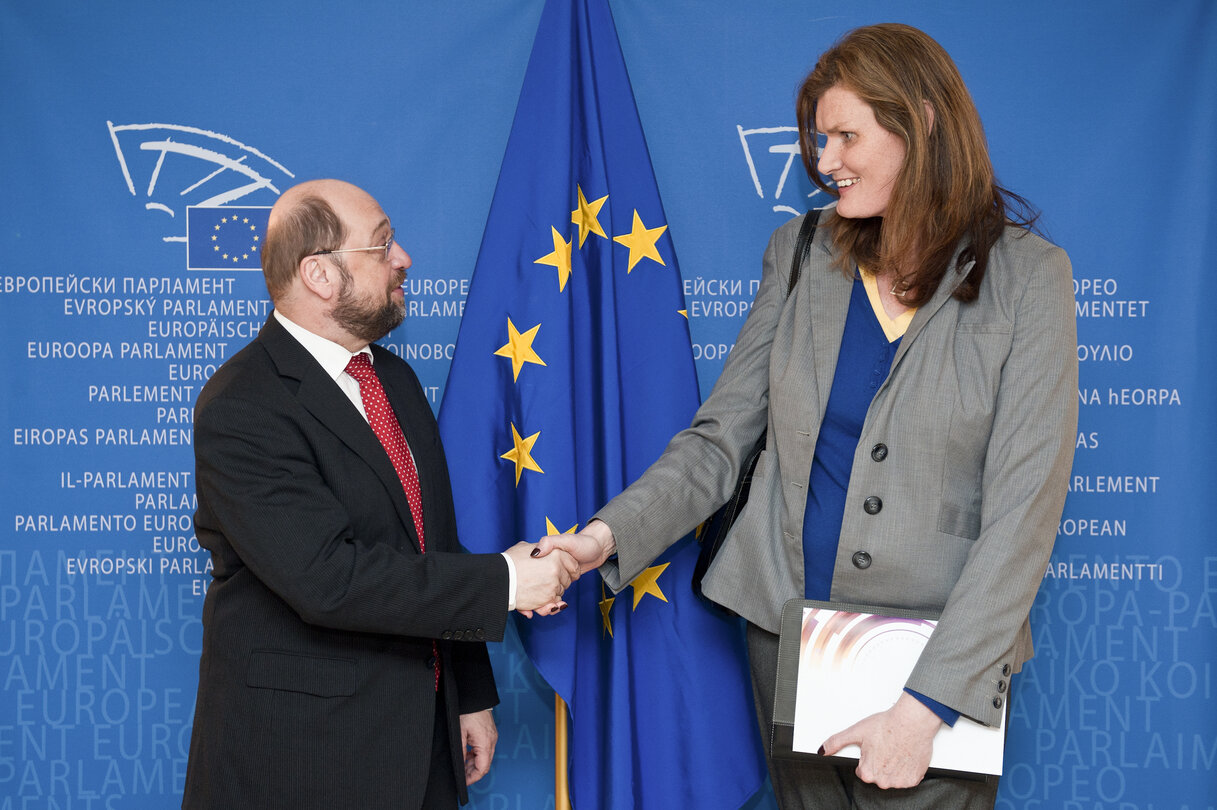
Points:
[(946, 190)]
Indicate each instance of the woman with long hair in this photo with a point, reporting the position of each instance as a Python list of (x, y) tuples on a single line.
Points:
[(918, 385)]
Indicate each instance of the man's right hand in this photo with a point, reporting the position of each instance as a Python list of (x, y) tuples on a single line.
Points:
[(590, 547), (541, 580)]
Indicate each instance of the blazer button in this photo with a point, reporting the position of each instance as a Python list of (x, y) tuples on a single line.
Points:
[(1005, 669), (997, 701), (446, 635), (479, 634), (861, 560), (873, 505), (878, 452), (1001, 686)]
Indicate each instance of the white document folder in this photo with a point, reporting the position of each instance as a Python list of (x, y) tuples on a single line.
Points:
[(840, 663)]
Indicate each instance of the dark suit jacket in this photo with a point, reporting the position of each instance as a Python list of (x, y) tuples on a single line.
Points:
[(316, 683)]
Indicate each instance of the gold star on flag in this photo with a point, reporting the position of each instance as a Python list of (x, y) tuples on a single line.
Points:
[(519, 348), (560, 258), (648, 583), (585, 216), (641, 242), (683, 312), (521, 453), (551, 529), (606, 605)]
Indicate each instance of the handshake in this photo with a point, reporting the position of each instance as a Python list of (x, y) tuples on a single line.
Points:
[(544, 570)]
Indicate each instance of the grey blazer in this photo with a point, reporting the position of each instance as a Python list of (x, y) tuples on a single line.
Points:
[(957, 485)]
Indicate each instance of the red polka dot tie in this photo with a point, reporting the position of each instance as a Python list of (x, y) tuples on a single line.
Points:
[(385, 426)]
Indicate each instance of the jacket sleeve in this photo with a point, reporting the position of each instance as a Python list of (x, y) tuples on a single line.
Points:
[(968, 661), (699, 467), (318, 531)]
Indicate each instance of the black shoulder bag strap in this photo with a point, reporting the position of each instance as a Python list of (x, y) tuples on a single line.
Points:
[(802, 247), (720, 523)]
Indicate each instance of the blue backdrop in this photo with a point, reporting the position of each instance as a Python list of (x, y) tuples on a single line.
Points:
[(119, 118)]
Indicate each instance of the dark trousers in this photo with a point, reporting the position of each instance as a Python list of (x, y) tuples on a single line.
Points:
[(812, 786)]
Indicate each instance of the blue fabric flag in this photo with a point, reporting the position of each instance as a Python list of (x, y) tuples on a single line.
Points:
[(225, 237), (573, 369)]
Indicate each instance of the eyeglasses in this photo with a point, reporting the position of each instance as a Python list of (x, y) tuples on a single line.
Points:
[(387, 247)]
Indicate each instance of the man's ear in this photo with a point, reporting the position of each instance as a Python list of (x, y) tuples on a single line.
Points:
[(318, 276)]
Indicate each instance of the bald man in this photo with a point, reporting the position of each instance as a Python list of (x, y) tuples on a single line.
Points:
[(344, 660)]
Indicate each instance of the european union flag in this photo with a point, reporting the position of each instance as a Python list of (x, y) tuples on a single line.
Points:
[(573, 369), (225, 237)]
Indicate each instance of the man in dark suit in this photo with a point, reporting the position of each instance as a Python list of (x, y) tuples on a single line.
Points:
[(343, 659)]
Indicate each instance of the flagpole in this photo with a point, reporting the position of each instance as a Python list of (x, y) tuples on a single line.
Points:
[(561, 785)]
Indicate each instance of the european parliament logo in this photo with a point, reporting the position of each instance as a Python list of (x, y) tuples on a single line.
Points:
[(170, 165), (773, 158), (225, 237)]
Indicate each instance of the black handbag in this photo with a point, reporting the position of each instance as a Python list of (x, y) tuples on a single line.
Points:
[(719, 525)]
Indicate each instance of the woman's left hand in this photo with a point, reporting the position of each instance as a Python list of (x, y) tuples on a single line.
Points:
[(896, 744)]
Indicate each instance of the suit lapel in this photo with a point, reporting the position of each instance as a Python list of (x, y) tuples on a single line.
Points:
[(829, 292), (945, 290), (829, 303), (322, 397)]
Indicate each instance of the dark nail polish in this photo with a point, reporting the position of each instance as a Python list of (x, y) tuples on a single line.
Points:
[(534, 552), (560, 608), (821, 751)]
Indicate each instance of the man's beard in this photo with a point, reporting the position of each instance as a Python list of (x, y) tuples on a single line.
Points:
[(365, 320)]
